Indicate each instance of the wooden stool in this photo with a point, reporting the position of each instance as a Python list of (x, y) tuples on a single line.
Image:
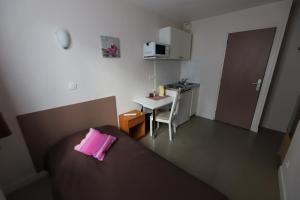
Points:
[(133, 125)]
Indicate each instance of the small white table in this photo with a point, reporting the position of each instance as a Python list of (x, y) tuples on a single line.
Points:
[(151, 104)]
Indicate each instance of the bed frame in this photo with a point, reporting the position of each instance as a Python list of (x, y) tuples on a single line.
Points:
[(43, 129)]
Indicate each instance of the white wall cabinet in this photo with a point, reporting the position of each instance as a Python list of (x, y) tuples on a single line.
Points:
[(180, 42)]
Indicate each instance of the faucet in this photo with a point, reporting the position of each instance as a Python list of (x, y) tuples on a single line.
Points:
[(183, 81)]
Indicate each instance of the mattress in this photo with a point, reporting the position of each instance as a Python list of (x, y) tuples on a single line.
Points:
[(129, 171)]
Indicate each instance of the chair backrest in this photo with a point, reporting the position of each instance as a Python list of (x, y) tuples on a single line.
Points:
[(175, 104)]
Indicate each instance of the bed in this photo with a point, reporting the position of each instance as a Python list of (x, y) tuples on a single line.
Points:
[(129, 171)]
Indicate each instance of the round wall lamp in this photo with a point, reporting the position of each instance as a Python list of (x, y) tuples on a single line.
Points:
[(63, 38)]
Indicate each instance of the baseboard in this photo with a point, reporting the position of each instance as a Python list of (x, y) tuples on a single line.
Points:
[(282, 187), (24, 182), (272, 130), (206, 116)]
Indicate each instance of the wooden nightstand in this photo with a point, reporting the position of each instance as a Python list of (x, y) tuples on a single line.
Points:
[(133, 125)]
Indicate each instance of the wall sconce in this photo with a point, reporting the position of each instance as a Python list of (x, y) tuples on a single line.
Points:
[(4, 130), (63, 38)]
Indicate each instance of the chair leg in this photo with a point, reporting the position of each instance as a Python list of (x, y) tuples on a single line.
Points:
[(157, 125), (170, 131), (151, 128), (174, 127)]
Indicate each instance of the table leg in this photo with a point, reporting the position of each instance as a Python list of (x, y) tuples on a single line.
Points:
[(153, 124)]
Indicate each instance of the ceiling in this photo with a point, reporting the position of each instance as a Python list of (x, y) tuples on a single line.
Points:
[(189, 10)]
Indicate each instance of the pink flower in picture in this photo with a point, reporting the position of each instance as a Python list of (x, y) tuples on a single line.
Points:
[(110, 47), (113, 50)]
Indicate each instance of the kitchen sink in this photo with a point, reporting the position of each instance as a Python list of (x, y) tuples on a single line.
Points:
[(184, 87), (189, 84)]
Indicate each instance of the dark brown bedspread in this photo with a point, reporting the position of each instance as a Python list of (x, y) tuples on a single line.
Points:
[(129, 172)]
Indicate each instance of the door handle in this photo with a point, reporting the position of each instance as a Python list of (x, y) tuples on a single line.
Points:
[(258, 84)]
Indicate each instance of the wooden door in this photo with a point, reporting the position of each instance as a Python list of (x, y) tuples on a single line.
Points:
[(245, 63)]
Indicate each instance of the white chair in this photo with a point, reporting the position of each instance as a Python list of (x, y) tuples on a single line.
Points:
[(167, 116)]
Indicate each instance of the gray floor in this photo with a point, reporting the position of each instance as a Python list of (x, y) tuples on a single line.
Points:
[(40, 190), (239, 163)]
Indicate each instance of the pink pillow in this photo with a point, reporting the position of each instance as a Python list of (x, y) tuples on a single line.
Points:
[(95, 144), (107, 141)]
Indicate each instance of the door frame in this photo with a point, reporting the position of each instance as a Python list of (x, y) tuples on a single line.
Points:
[(280, 30)]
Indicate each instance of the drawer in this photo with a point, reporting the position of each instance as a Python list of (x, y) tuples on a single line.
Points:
[(136, 121)]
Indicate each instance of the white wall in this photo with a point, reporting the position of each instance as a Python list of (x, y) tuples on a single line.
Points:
[(209, 46), (167, 71), (286, 84), (35, 71), (290, 170), (15, 161)]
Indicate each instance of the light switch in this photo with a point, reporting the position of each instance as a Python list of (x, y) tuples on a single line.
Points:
[(72, 86)]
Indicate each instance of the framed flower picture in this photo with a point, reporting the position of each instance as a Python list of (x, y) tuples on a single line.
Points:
[(110, 47)]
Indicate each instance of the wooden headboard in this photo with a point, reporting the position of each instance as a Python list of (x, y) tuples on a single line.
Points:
[(45, 128)]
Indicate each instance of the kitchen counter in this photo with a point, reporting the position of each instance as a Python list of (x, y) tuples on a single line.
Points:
[(187, 102), (184, 87)]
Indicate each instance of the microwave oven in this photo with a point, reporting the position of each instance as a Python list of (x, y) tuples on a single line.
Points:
[(156, 50)]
